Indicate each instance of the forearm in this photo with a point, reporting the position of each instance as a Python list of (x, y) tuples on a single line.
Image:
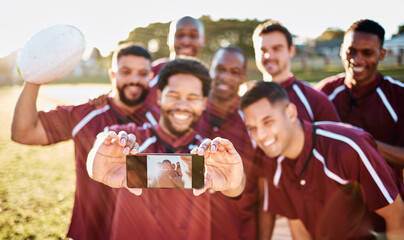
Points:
[(393, 154), (26, 118)]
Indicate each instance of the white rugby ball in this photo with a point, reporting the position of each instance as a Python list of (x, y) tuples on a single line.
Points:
[(50, 54)]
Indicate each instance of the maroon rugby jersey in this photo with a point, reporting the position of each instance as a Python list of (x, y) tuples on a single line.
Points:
[(335, 185), (156, 67), (311, 105), (232, 219), (377, 108), (161, 213), (93, 201)]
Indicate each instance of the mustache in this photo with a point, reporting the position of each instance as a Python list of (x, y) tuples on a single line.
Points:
[(133, 84)]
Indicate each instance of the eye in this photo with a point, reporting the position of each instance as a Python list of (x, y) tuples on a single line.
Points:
[(124, 72)]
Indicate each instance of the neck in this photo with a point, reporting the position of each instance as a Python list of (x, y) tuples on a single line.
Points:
[(168, 132), (123, 106), (222, 107), (279, 78), (358, 85), (296, 144)]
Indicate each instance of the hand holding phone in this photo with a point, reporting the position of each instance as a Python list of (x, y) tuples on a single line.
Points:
[(224, 167), (164, 170)]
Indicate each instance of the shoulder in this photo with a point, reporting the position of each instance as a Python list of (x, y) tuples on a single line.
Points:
[(327, 85), (311, 93), (158, 64), (344, 137)]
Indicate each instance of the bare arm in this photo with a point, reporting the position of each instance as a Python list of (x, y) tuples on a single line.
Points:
[(393, 215), (27, 127), (299, 231), (393, 154)]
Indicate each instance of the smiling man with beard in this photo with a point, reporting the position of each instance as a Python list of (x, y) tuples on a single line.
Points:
[(364, 97), (94, 203), (183, 87)]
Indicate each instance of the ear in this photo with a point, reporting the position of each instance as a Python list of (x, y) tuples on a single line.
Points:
[(151, 76), (382, 54), (158, 95), (204, 101), (111, 75), (292, 51), (291, 112)]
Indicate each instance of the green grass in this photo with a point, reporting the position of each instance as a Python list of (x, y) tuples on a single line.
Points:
[(36, 183)]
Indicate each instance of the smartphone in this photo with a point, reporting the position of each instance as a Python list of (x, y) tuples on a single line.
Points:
[(165, 170)]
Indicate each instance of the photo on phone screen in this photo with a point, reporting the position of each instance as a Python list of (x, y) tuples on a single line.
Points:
[(176, 171)]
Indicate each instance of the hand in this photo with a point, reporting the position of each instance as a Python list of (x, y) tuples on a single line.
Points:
[(106, 162), (223, 167)]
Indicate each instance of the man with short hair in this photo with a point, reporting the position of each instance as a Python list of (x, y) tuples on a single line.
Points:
[(274, 50), (186, 37), (94, 203), (329, 180), (161, 213), (364, 97), (222, 118)]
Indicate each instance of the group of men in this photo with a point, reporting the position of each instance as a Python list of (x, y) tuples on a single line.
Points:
[(283, 148)]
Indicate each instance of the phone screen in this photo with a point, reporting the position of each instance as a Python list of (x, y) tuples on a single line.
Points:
[(176, 171)]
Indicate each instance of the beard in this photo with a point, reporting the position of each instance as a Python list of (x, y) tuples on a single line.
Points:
[(171, 127), (128, 102)]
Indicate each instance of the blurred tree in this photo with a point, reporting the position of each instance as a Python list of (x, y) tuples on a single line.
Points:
[(219, 33), (400, 30), (331, 34)]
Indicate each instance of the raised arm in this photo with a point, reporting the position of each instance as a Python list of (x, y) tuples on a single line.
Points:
[(393, 154), (27, 128)]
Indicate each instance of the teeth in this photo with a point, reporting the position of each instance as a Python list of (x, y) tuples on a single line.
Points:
[(181, 116), (222, 87), (269, 142), (358, 69)]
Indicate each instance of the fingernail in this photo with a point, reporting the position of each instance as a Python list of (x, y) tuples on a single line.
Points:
[(213, 148), (122, 141), (126, 150), (201, 150)]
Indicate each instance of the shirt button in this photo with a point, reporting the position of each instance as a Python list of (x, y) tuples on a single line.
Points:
[(302, 182), (215, 129)]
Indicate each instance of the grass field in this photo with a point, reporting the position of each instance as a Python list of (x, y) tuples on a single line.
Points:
[(37, 183)]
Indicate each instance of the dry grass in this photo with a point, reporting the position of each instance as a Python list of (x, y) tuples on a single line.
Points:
[(37, 183)]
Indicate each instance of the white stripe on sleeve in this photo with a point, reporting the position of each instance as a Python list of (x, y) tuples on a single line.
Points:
[(303, 100), (278, 173), (151, 118), (387, 104), (363, 158), (88, 118), (335, 92)]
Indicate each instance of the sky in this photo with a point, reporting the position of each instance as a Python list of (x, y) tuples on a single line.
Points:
[(105, 22)]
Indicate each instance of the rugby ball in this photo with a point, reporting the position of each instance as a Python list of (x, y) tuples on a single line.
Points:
[(50, 54)]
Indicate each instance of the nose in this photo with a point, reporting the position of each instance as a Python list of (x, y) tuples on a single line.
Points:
[(182, 104), (261, 134), (357, 58)]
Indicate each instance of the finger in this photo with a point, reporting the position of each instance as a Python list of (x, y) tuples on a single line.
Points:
[(207, 185), (135, 148), (226, 145), (136, 191), (123, 137), (194, 151), (109, 136), (204, 146), (215, 144), (130, 143)]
